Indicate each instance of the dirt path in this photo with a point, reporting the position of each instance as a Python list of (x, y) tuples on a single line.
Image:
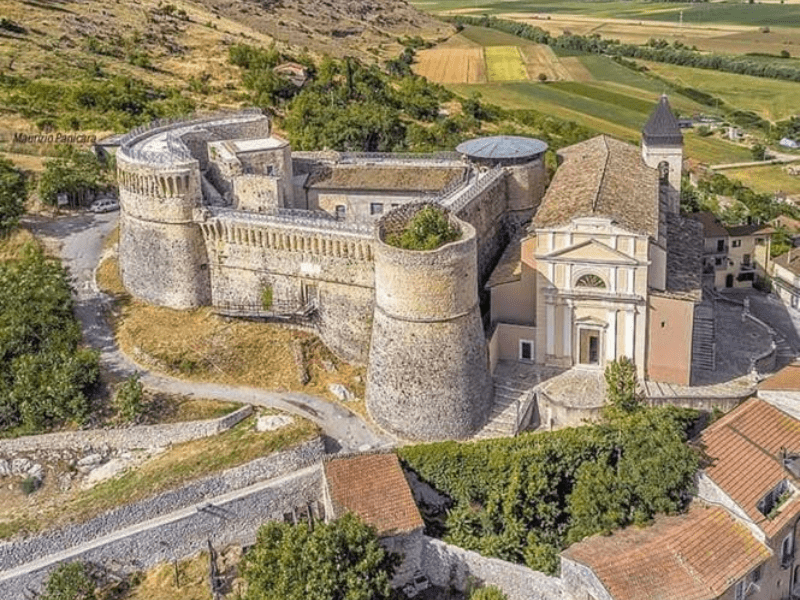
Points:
[(80, 239)]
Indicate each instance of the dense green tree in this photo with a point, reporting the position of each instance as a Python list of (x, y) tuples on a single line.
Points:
[(69, 581), (341, 560), (622, 385), (73, 172), (47, 376), (426, 230), (759, 152), (12, 195)]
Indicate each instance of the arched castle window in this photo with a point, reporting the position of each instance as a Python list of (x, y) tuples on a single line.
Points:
[(590, 280)]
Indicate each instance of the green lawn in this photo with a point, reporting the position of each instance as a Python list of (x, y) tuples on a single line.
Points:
[(768, 179), (603, 68), (504, 63), (770, 98), (491, 37)]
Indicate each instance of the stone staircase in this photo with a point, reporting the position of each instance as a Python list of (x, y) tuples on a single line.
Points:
[(503, 419), (703, 341)]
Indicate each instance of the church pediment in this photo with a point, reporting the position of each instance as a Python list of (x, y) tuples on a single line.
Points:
[(591, 251)]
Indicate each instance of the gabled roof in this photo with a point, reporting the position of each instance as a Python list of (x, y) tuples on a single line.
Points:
[(602, 177), (745, 447), (662, 127), (374, 487), (785, 380), (712, 226), (696, 556), (743, 230)]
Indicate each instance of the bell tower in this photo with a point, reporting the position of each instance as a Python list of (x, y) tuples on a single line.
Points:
[(662, 149)]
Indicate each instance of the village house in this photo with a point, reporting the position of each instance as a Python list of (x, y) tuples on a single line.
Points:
[(786, 277), (738, 538), (736, 256)]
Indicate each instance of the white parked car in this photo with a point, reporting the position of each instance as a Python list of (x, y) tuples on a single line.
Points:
[(104, 205)]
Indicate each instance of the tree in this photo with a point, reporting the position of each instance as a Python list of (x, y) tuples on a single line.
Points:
[(12, 195), (341, 560), (621, 385), (69, 581), (759, 152), (73, 172)]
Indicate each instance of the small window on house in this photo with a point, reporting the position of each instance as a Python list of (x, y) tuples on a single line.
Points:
[(786, 548), (341, 211), (759, 241), (375, 208), (746, 260), (525, 350), (720, 245), (736, 243), (718, 261), (591, 281), (755, 576), (269, 170)]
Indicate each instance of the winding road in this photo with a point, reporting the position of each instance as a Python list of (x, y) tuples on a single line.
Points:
[(80, 240)]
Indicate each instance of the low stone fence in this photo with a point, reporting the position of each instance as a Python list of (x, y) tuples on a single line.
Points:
[(144, 436), (232, 519), (17, 553), (447, 565)]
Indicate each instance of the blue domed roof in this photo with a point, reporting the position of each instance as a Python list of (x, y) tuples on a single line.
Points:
[(501, 147)]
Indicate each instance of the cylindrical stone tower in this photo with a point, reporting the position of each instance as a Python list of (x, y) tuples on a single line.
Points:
[(162, 254), (428, 360)]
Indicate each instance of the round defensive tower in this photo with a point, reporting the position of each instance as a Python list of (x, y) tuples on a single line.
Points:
[(523, 160), (428, 361), (162, 254)]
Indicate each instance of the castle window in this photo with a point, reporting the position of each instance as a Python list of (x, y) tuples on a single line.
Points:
[(341, 211), (591, 281), (663, 172), (375, 208), (526, 350)]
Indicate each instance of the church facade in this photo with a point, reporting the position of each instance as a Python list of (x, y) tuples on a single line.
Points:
[(607, 268)]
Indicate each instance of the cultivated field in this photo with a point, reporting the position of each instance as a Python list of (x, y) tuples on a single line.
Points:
[(540, 59), (452, 65), (504, 63), (773, 99), (768, 179)]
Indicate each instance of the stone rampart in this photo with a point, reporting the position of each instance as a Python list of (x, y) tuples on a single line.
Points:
[(143, 436), (447, 565), (232, 519), (428, 362), (20, 552)]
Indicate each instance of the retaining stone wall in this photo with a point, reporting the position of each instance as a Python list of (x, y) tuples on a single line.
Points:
[(231, 521), (14, 554), (447, 565), (144, 436)]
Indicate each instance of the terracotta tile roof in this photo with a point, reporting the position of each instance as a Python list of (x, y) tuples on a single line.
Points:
[(696, 556), (374, 487), (745, 448), (429, 179), (602, 177), (743, 230), (785, 380), (790, 261)]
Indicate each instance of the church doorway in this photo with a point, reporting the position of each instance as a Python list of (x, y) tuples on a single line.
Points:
[(589, 347), (729, 281)]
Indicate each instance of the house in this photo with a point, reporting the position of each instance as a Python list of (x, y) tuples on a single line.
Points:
[(736, 256), (786, 277), (608, 267), (374, 487), (789, 143), (782, 389), (736, 541)]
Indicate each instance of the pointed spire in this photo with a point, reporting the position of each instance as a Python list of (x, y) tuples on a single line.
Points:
[(662, 126)]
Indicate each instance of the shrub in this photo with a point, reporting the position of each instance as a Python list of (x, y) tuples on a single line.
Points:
[(427, 230), (488, 593), (542, 76), (30, 485), (12, 195), (129, 398), (69, 581), (266, 297)]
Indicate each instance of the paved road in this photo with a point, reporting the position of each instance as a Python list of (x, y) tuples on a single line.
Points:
[(80, 238)]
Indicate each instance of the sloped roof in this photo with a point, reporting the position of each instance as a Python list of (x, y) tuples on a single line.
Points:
[(374, 487), (602, 177), (785, 380), (662, 127), (745, 447), (742, 230), (696, 556), (427, 179), (712, 226), (684, 256), (789, 260)]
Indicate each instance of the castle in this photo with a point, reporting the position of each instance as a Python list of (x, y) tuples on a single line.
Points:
[(219, 211)]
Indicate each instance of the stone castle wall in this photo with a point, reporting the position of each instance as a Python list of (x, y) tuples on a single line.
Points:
[(428, 362)]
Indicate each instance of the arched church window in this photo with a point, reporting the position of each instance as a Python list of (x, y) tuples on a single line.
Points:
[(663, 172), (590, 280)]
